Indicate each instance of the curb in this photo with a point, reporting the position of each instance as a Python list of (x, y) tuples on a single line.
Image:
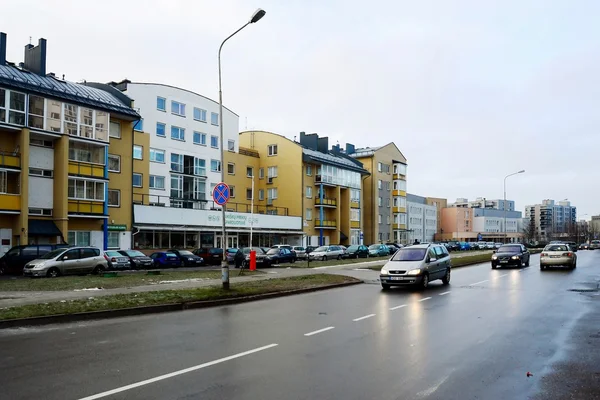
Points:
[(133, 311)]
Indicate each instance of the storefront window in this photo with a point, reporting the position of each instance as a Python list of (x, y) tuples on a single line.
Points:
[(177, 240)]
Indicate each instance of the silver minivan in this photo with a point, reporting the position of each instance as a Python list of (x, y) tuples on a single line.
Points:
[(67, 261), (417, 265)]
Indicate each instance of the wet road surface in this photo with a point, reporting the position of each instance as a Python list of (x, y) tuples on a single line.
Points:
[(474, 339)]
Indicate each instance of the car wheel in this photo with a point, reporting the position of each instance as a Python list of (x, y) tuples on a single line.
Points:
[(574, 265), (527, 263), (446, 278), (542, 267), (424, 282), (385, 286), (53, 273), (2, 270), (324, 258), (98, 270), (182, 264), (339, 257), (293, 260)]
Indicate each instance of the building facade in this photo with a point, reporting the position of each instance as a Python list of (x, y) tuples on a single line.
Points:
[(481, 224), (422, 219), (439, 204), (551, 220), (482, 202), (56, 169), (385, 188)]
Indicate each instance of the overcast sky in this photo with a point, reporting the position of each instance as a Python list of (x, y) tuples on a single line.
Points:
[(469, 90)]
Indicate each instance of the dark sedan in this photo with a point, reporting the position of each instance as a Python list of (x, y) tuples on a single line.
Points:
[(356, 251), (262, 259), (515, 255), (116, 260), (211, 256), (281, 255), (164, 259), (187, 258), (137, 259)]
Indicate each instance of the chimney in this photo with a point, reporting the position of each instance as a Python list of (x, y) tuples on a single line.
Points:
[(35, 58), (309, 141), (2, 48), (350, 149), (335, 149), (322, 144)]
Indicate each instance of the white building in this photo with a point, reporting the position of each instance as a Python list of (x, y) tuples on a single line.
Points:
[(482, 202), (422, 219)]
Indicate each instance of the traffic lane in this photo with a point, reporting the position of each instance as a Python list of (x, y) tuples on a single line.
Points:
[(389, 354)]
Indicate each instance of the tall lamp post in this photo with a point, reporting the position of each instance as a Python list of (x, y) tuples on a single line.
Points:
[(258, 14), (507, 176)]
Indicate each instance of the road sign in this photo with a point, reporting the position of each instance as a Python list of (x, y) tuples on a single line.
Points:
[(221, 193), (362, 236), (480, 237)]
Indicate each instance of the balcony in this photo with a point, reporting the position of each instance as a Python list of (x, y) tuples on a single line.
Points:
[(354, 204), (86, 207), (397, 192), (10, 203), (325, 224), (326, 202), (355, 224), (78, 168), (10, 159), (399, 209), (399, 227)]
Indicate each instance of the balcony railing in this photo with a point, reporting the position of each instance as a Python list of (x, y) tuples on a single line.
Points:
[(326, 202), (397, 209), (86, 207), (354, 204), (355, 224), (78, 168), (196, 204), (10, 202), (330, 224), (10, 159)]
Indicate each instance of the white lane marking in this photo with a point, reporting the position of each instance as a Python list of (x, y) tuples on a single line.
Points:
[(365, 317), (176, 373), (431, 390), (502, 276), (426, 298), (319, 331), (477, 283), (443, 294), (363, 269), (330, 266), (397, 307)]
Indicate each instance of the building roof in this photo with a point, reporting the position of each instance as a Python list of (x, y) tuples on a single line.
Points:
[(49, 86), (369, 151), (340, 160)]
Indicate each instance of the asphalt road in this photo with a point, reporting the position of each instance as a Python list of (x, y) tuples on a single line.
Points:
[(474, 339)]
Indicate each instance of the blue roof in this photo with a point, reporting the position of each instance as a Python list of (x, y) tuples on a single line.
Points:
[(49, 86)]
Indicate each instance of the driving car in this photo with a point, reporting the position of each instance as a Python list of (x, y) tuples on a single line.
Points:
[(116, 260), (378, 250), (187, 258), (137, 259), (165, 259), (356, 251), (279, 255), (15, 259), (67, 261), (559, 254), (262, 259), (584, 246), (595, 245), (515, 255), (324, 253), (300, 252), (417, 265)]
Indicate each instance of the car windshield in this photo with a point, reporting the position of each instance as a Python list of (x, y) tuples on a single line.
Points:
[(170, 255), (216, 251), (113, 253), (322, 248), (374, 247), (134, 253), (352, 248), (408, 254), (509, 249), (556, 247), (52, 254), (258, 250), (186, 253)]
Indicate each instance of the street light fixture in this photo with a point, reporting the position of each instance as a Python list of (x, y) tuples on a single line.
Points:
[(258, 14), (507, 176)]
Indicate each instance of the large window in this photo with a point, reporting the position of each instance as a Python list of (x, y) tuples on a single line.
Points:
[(354, 214), (114, 198), (177, 133), (355, 195), (176, 162), (114, 240), (215, 165), (137, 180), (214, 142), (81, 189), (53, 116), (79, 121), (400, 185), (214, 119), (199, 114), (86, 152), (36, 112), (177, 108), (400, 169), (157, 156), (161, 129), (138, 152), (79, 238), (114, 163), (339, 176), (200, 138), (161, 104), (16, 108), (157, 182), (71, 119)]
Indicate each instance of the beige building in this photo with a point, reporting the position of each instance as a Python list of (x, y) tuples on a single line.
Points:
[(439, 204)]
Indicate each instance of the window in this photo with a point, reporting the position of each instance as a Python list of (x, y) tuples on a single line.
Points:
[(86, 152), (41, 143), (379, 167), (214, 119), (261, 173), (139, 125), (161, 104), (46, 212), (309, 170), (261, 194), (379, 218), (80, 189), (272, 172), (45, 173), (215, 165), (249, 172), (272, 193), (309, 192), (3, 95), (355, 195), (78, 238), (388, 220), (114, 198), (157, 155), (379, 201), (114, 130), (354, 214), (200, 138), (113, 240), (199, 114), (231, 168), (309, 214), (387, 185), (16, 108), (3, 181), (157, 182), (387, 202), (36, 112), (380, 184), (177, 133), (231, 145), (176, 162), (161, 129), (248, 194), (137, 152), (199, 166), (272, 149), (214, 142), (137, 180), (114, 163), (380, 235), (177, 108), (231, 191)]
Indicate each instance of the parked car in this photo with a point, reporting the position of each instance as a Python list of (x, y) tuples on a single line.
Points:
[(15, 259), (474, 245), (378, 250), (325, 253), (356, 251), (498, 245), (417, 265), (187, 258), (558, 254), (210, 255), (309, 249), (453, 246), (116, 260), (262, 259), (464, 246), (482, 245), (392, 249), (231, 254), (595, 245), (281, 255), (67, 261), (300, 252), (490, 245), (165, 259), (284, 246), (137, 259), (584, 246), (507, 255)]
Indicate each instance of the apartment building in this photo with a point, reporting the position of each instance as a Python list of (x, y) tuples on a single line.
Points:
[(422, 219), (475, 224), (482, 202), (552, 220), (58, 164), (385, 193), (439, 204)]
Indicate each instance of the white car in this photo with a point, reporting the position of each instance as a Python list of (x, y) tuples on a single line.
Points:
[(559, 254), (325, 253), (300, 252), (490, 245)]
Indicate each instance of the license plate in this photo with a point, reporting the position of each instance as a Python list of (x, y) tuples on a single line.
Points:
[(504, 262), (397, 278), (554, 256)]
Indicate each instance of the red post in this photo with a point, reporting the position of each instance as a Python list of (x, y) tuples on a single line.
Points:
[(252, 260)]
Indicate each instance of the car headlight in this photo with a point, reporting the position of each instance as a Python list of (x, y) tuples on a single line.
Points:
[(515, 257), (190, 259), (40, 265), (494, 257), (384, 271), (414, 272)]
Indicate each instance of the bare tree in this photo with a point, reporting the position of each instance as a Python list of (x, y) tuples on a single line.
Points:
[(529, 233)]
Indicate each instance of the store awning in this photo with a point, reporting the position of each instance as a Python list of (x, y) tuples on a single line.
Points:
[(41, 227)]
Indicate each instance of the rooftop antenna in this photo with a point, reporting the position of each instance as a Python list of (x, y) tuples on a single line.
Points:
[(63, 77), (29, 39)]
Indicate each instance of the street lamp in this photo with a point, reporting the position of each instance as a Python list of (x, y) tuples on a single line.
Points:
[(507, 176), (258, 14)]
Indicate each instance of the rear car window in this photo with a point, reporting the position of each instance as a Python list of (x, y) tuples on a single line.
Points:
[(29, 251), (556, 247), (89, 253)]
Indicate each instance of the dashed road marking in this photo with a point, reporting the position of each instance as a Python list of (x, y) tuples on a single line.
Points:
[(426, 298), (397, 307), (477, 283), (443, 294), (319, 331), (364, 317)]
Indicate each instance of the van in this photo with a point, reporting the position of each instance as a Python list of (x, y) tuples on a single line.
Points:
[(417, 265), (67, 261), (16, 258)]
